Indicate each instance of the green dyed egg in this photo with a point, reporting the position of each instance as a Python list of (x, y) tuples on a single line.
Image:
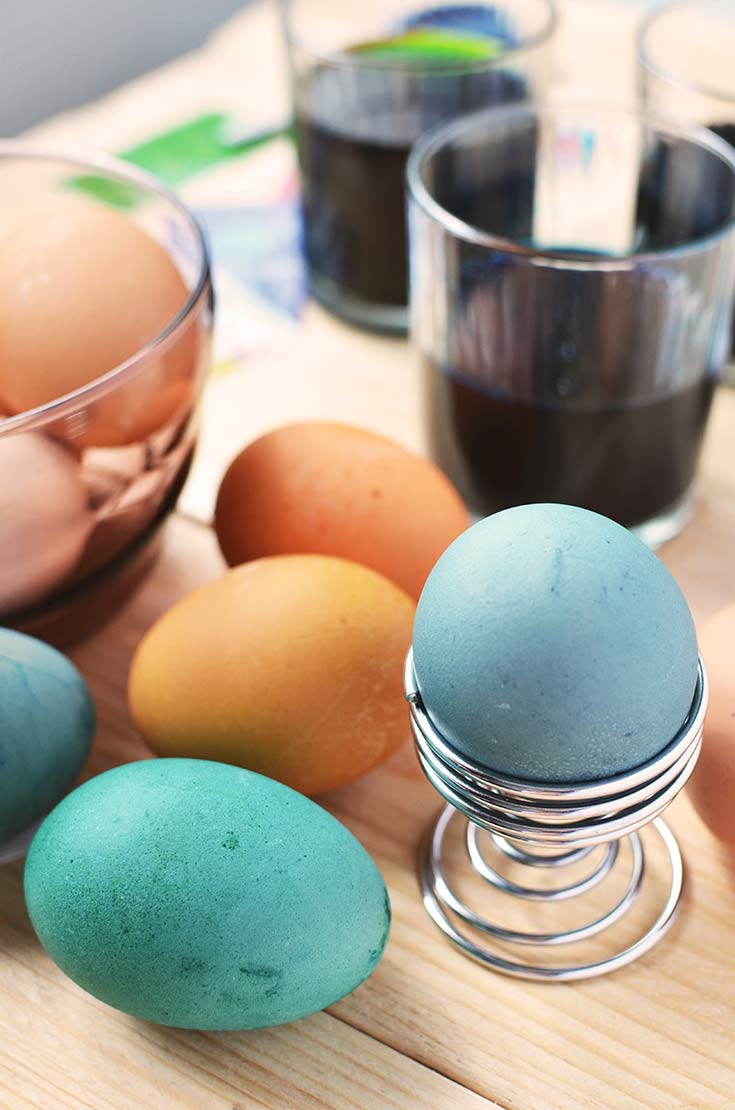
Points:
[(46, 730), (204, 896)]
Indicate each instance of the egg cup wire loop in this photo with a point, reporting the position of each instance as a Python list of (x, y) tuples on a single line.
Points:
[(550, 826)]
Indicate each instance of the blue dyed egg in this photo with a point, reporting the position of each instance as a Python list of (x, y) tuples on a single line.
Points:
[(551, 645), (46, 729), (201, 895)]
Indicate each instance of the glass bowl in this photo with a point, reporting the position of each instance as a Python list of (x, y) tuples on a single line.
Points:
[(87, 479)]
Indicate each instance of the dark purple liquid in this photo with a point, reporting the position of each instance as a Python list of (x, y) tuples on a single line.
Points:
[(726, 131), (630, 463), (354, 139), (354, 218)]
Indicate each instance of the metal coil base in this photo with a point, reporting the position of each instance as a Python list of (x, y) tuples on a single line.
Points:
[(549, 827)]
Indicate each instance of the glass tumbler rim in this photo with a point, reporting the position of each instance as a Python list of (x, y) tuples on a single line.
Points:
[(342, 59), (18, 150), (433, 140), (670, 76)]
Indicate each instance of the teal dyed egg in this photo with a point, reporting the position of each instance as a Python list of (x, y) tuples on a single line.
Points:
[(205, 896), (551, 645), (46, 729)]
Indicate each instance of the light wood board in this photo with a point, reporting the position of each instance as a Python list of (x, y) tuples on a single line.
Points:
[(429, 1028)]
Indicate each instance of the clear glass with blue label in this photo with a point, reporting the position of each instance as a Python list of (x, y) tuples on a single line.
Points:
[(367, 81), (572, 273)]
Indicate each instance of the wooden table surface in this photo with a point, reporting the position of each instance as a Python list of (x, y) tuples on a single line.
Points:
[(429, 1028)]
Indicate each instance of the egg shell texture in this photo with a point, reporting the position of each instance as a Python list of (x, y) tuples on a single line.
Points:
[(45, 519), (290, 666), (332, 489), (46, 729), (83, 288), (200, 895), (712, 785), (551, 645)]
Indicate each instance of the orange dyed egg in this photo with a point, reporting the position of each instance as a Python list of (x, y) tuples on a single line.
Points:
[(83, 289), (289, 666), (331, 489), (712, 786)]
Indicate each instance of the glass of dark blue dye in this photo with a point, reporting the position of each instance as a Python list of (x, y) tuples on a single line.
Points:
[(572, 275), (686, 68), (367, 80)]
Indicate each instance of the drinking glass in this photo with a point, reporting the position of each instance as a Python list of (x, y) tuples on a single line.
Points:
[(360, 104), (572, 272), (686, 68), (685, 63)]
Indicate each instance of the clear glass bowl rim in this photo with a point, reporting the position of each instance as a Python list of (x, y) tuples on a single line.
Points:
[(104, 165), (445, 133)]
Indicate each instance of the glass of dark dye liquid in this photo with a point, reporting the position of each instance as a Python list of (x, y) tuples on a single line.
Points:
[(686, 69), (572, 276), (368, 79)]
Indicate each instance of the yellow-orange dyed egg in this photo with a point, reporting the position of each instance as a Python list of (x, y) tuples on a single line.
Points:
[(290, 666), (331, 489), (82, 289), (712, 786)]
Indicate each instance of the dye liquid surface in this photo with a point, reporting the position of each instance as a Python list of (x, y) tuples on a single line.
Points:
[(628, 462)]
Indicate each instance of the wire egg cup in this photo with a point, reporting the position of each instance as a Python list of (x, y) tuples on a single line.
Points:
[(549, 827)]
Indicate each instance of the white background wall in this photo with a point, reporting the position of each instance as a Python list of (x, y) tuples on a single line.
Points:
[(56, 54)]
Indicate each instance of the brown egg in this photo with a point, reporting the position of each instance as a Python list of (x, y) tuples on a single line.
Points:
[(45, 521), (331, 489), (290, 666), (141, 407), (82, 289), (712, 786)]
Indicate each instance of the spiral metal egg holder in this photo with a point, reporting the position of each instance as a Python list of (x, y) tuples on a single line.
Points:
[(549, 827)]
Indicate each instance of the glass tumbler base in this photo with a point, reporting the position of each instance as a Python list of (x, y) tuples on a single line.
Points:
[(390, 319), (653, 533), (669, 523)]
